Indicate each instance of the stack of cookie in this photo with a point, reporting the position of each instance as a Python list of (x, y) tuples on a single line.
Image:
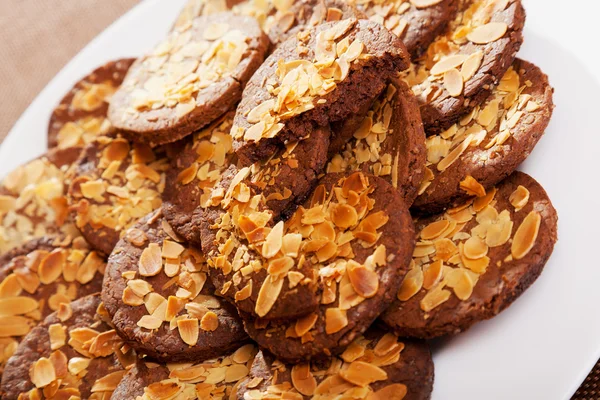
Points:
[(281, 200)]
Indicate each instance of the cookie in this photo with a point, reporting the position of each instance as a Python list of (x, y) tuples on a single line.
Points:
[(197, 8), (116, 184), (489, 143), (190, 79), (416, 22), (389, 142), (33, 199), (353, 244), (158, 297), (461, 67), (298, 88), (212, 379), (377, 365), (474, 260), (81, 115), (74, 353), (201, 171), (36, 278)]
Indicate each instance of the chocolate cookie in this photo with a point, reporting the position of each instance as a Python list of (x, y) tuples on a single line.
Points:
[(461, 67), (321, 76), (37, 278), (116, 184), (33, 199), (190, 79), (212, 379), (156, 292), (74, 353), (489, 143), (416, 22), (474, 260), (353, 244), (81, 115), (389, 142), (377, 365)]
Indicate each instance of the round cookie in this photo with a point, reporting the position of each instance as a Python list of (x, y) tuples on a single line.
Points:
[(212, 379), (461, 67), (36, 278), (81, 114), (353, 241), (416, 22), (323, 75), (503, 131), (33, 199), (474, 260), (202, 171), (377, 365), (190, 79), (116, 183), (389, 142), (156, 293), (74, 353)]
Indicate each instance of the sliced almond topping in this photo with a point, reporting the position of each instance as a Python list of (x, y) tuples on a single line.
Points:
[(412, 283), (236, 372), (395, 391), (344, 216), (78, 364), (273, 241), (11, 286), (267, 295), (526, 235), (88, 268), (188, 330), (150, 263), (463, 287), (425, 4), (471, 65), (448, 63), (149, 322), (434, 230), (364, 281), (108, 383), (58, 336), (436, 296), (387, 343), (243, 354), (335, 320), (42, 373), (303, 379), (64, 312), (453, 82), (488, 33), (136, 237), (454, 154), (432, 274), (130, 298), (166, 389), (362, 373), (472, 187), (519, 198), (475, 248), (14, 326), (51, 266), (305, 324), (171, 249), (17, 305), (210, 322)]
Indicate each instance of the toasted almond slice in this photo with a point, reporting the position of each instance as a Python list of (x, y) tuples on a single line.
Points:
[(488, 33), (448, 63), (273, 241), (425, 4), (17, 305), (209, 322), (51, 266), (412, 283), (453, 82), (364, 281), (361, 373), (150, 263), (303, 379), (42, 373), (267, 295), (519, 198), (108, 383), (188, 330), (526, 235), (471, 65), (335, 320)]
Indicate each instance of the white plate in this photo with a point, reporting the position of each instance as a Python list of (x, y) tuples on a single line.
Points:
[(544, 345)]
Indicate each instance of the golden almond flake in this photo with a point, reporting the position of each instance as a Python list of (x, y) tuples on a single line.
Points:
[(526, 235), (243, 354), (18, 305), (344, 216), (305, 324), (487, 33), (362, 373), (364, 281), (472, 187), (453, 82), (150, 263), (267, 295), (335, 320), (454, 154), (475, 248), (136, 237), (64, 312), (42, 373), (471, 65), (188, 330), (434, 229), (434, 297), (463, 287), (425, 4), (448, 63), (412, 283), (273, 241), (432, 274), (209, 322), (130, 298), (58, 336), (303, 379), (149, 322), (236, 372), (395, 391), (171, 249), (51, 266), (108, 383), (519, 198), (166, 389)]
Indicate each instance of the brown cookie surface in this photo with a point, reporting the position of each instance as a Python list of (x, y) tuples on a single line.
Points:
[(388, 143), (190, 79), (73, 353), (213, 379), (116, 183), (321, 76), (375, 365), (158, 297), (473, 261), (354, 246), (81, 114), (461, 67), (36, 278), (415, 22), (488, 144), (33, 199)]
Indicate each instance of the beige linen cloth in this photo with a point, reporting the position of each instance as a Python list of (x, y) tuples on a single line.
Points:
[(38, 37)]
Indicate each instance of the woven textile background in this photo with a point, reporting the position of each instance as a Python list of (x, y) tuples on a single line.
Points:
[(38, 37)]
